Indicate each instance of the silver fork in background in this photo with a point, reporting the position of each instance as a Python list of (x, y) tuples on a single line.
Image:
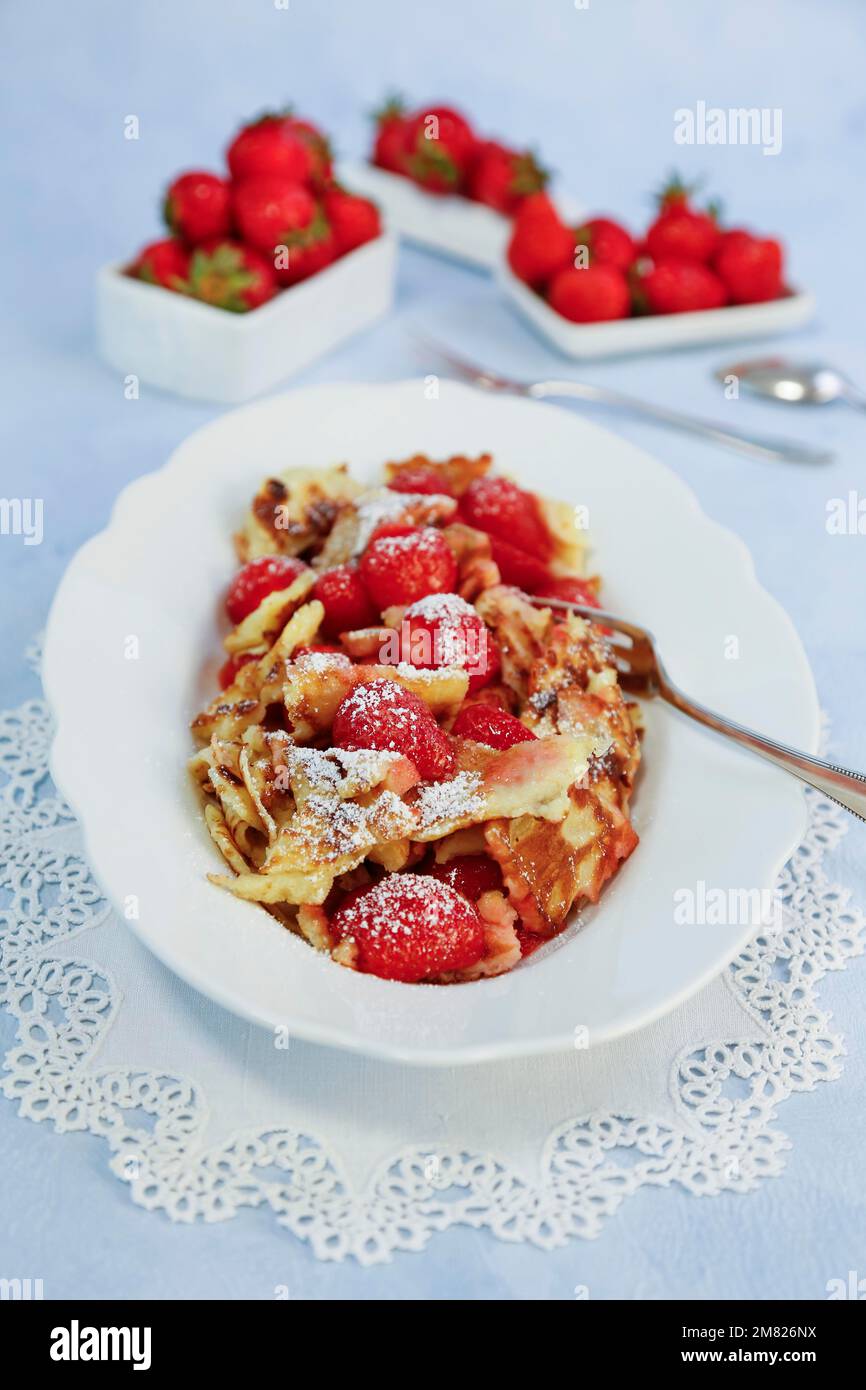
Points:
[(643, 671), (754, 446)]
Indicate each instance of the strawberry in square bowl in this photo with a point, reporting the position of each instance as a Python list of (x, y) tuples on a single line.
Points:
[(264, 268), (446, 185), (595, 290)]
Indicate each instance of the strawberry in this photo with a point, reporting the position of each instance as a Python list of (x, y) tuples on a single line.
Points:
[(405, 563), (607, 242), (164, 263), (415, 477), (271, 145), (517, 566), (570, 590), (197, 207), (305, 251), (327, 647), (529, 940), (383, 715), (445, 630), (410, 927), (750, 268), (598, 292), (541, 244), (492, 726), (258, 579), (347, 604), (229, 669), (733, 235), (271, 208), (389, 149), (319, 149), (683, 235), (501, 178), (679, 231), (231, 276), (353, 220), (439, 145), (503, 510), (677, 287), (470, 874)]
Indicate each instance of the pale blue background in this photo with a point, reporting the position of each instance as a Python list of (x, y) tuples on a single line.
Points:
[(595, 89)]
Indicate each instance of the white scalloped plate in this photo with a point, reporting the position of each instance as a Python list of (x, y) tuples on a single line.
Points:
[(705, 813)]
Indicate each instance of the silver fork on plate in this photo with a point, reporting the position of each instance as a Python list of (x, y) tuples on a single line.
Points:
[(755, 446), (642, 670)]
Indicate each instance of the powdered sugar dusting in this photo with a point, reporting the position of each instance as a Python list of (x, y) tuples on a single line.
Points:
[(441, 608), (460, 634), (422, 673), (340, 770), (321, 662), (366, 762), (454, 800), (381, 506), (330, 829), (415, 543), (403, 905)]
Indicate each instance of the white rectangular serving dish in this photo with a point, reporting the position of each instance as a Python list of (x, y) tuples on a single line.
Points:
[(194, 349), (452, 225), (655, 332)]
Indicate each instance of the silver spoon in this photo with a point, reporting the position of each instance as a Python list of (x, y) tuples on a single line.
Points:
[(800, 383)]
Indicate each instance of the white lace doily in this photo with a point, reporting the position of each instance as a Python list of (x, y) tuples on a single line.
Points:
[(205, 1115)]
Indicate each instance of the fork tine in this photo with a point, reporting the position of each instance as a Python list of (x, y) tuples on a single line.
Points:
[(637, 663), (593, 615)]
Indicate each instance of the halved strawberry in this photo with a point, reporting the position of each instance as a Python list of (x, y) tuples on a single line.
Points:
[(258, 579), (470, 874), (444, 630), (502, 509), (518, 566), (415, 477), (491, 725), (382, 714), (228, 671), (410, 927), (343, 594), (404, 563)]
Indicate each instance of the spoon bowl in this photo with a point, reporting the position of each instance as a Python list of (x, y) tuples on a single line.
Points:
[(794, 383)]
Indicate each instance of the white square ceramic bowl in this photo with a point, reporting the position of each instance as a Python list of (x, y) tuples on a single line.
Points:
[(197, 350), (654, 332), (451, 225)]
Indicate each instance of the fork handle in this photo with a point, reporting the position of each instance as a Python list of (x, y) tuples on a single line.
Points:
[(847, 788), (755, 446)]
